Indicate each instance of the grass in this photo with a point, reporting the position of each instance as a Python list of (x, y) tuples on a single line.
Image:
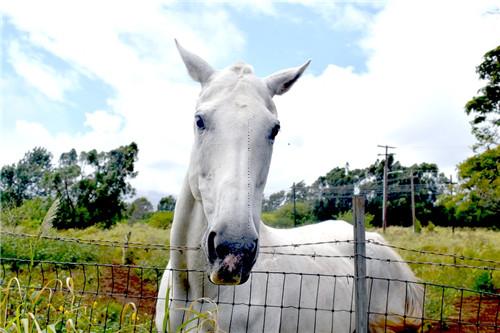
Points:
[(474, 243), (38, 297)]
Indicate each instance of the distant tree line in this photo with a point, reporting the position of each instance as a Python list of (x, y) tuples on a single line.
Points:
[(473, 201), (92, 186)]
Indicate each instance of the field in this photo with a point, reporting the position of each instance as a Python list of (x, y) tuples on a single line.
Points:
[(99, 284)]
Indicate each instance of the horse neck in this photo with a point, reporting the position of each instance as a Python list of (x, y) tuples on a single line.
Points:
[(188, 228)]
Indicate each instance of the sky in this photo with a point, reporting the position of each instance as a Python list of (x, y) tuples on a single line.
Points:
[(101, 74)]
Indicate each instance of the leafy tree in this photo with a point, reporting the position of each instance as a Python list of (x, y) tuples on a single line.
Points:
[(477, 202), (167, 203), (485, 107), (26, 179), (139, 209), (274, 201), (94, 196)]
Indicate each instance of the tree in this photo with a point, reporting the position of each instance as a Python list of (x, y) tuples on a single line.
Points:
[(477, 201), (96, 196), (139, 209), (485, 107), (26, 179), (167, 203), (274, 201)]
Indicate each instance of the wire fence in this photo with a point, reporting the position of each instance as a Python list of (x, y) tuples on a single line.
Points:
[(110, 297)]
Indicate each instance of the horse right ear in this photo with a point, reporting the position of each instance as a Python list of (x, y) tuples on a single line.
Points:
[(198, 69)]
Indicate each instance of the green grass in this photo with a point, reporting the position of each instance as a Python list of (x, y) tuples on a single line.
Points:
[(69, 306), (474, 243)]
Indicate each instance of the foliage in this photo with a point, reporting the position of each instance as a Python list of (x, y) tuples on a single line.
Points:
[(484, 282), (348, 217), (167, 203), (30, 213), (331, 195), (139, 209), (463, 242), (287, 217), (92, 187), (485, 107), (26, 179), (274, 201), (161, 219), (477, 201)]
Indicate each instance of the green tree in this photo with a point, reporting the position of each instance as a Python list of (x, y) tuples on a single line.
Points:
[(167, 203), (485, 107), (26, 179), (274, 201), (96, 196), (139, 209), (477, 201)]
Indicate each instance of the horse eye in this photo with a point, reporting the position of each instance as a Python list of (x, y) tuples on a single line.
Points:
[(199, 122), (274, 132)]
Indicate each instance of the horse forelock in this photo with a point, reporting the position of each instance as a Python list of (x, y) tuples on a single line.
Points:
[(240, 79), (241, 68)]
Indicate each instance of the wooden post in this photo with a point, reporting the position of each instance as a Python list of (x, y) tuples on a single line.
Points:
[(125, 248), (358, 206)]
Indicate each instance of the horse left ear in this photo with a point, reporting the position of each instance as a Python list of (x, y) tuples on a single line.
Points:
[(280, 82)]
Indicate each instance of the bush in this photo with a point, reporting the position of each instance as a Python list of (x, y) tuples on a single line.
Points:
[(430, 226), (347, 216), (161, 219), (418, 226), (49, 250), (30, 214), (484, 282)]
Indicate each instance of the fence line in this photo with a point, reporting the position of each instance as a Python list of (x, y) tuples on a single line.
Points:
[(454, 256), (112, 297)]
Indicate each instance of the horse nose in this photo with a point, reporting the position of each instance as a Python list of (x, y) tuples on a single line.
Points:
[(243, 249)]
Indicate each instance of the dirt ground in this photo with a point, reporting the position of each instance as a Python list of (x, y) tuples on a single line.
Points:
[(475, 314)]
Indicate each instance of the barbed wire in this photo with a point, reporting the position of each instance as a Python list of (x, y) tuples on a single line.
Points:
[(442, 264), (137, 245), (454, 256), (100, 242)]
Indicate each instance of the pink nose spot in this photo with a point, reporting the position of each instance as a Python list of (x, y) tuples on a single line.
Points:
[(230, 262)]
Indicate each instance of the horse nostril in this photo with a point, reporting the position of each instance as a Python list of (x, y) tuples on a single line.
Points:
[(212, 255)]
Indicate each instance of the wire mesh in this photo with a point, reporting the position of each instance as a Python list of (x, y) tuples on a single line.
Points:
[(111, 297)]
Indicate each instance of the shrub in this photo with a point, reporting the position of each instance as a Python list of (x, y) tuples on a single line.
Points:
[(430, 226), (418, 226), (161, 219), (347, 216), (484, 282)]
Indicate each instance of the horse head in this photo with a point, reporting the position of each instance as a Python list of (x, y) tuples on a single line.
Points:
[(235, 125)]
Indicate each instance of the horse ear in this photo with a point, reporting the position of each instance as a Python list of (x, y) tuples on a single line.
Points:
[(280, 82), (198, 69)]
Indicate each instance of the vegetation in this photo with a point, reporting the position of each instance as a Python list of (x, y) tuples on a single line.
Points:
[(330, 196), (485, 107)]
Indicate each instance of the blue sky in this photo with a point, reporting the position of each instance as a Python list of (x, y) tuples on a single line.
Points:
[(98, 75)]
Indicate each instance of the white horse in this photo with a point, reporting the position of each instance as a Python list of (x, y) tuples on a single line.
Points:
[(223, 252)]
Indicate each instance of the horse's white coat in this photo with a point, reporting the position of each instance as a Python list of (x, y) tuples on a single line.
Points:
[(223, 191)]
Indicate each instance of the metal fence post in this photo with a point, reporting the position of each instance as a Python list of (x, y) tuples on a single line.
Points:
[(358, 207)]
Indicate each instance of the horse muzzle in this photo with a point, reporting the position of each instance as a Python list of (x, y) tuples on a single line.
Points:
[(230, 262)]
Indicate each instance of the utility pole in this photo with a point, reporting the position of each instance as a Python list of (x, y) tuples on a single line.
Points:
[(451, 193), (384, 199), (413, 217), (294, 207)]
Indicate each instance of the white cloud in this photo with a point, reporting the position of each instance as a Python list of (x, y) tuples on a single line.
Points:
[(420, 74), (46, 79), (103, 122)]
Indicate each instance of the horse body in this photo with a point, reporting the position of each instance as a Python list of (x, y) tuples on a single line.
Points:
[(217, 237)]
